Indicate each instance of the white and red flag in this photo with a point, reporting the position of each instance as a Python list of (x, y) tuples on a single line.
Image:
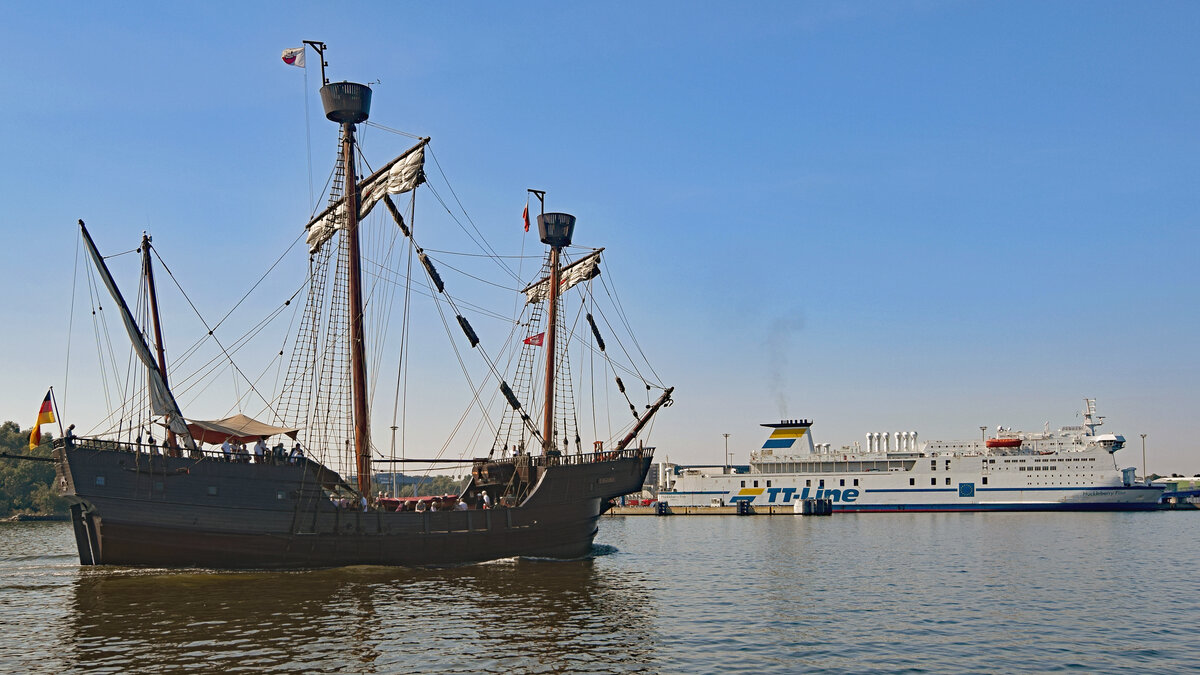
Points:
[(294, 56), (535, 340)]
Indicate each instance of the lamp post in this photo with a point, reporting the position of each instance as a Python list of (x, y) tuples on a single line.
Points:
[(983, 435), (728, 463), (1145, 476)]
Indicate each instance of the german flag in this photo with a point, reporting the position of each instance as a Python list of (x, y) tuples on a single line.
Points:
[(45, 416)]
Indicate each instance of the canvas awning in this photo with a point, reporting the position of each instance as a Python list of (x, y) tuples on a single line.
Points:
[(237, 428)]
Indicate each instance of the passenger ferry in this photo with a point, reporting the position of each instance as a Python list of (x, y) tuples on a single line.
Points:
[(1073, 468)]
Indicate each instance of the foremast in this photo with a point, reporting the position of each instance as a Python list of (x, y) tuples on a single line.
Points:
[(162, 401), (152, 294)]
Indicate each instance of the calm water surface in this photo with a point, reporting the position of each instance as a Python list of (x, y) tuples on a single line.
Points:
[(930, 593)]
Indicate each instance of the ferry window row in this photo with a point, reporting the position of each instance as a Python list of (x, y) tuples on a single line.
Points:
[(933, 481), (841, 466), (1056, 459), (808, 482)]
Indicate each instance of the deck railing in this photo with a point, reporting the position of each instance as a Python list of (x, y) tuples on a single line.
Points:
[(148, 449), (219, 455), (567, 460)]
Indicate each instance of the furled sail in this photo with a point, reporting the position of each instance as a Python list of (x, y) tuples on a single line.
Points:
[(398, 176), (583, 269), (162, 402)]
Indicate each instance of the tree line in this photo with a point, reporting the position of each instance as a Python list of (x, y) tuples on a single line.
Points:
[(26, 487), (425, 485)]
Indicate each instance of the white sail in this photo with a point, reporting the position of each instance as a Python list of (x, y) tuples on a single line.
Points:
[(581, 270), (161, 401), (402, 174)]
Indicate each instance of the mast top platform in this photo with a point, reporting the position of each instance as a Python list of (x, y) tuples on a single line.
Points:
[(346, 102), (556, 229)]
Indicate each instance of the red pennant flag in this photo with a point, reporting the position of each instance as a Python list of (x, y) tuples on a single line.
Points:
[(46, 416), (525, 216), (535, 340)]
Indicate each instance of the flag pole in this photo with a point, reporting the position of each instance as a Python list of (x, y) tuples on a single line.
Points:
[(319, 48), (57, 414)]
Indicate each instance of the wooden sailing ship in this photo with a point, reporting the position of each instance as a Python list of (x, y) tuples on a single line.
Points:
[(135, 504)]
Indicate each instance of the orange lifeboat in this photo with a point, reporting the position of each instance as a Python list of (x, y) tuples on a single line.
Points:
[(1003, 443)]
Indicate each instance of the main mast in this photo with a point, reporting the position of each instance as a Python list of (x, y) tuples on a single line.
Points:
[(349, 103), (555, 230)]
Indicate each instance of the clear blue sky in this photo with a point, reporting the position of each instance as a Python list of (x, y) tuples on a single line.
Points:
[(882, 216)]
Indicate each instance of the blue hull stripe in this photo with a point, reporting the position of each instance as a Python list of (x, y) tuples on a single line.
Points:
[(1021, 489), (928, 508)]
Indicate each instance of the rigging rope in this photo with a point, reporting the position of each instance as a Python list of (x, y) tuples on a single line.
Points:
[(70, 326), (454, 194), (625, 321), (210, 329)]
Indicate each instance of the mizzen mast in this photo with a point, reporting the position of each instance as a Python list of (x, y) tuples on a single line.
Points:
[(349, 103), (555, 230)]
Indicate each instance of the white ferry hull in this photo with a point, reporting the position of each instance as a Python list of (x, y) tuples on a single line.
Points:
[(1077, 479), (1071, 470), (1098, 498)]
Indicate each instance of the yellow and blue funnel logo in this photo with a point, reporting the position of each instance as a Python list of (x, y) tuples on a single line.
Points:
[(784, 438), (746, 495)]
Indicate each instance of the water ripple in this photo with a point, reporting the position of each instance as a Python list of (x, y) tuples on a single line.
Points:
[(908, 593)]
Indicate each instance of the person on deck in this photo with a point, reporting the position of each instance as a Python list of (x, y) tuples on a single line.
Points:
[(487, 500), (297, 454), (227, 449), (69, 437), (260, 449), (461, 505)]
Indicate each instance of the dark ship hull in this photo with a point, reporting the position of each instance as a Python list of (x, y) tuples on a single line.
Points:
[(134, 508)]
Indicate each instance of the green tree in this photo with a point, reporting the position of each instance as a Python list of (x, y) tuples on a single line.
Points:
[(430, 485), (26, 487)]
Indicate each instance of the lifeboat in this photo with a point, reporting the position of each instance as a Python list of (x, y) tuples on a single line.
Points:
[(1003, 443)]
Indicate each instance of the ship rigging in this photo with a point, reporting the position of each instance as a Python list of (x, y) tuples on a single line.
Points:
[(551, 497)]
